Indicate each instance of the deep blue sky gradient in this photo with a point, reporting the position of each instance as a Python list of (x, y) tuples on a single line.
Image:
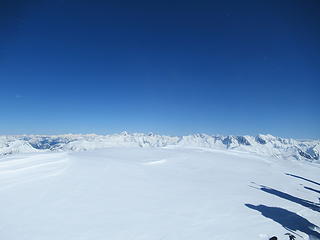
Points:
[(170, 67)]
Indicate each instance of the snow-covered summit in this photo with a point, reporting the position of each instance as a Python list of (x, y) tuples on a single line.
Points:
[(265, 145)]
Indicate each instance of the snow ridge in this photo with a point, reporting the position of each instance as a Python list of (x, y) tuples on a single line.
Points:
[(264, 145)]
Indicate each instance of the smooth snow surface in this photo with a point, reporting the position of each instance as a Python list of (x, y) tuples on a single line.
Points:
[(168, 193)]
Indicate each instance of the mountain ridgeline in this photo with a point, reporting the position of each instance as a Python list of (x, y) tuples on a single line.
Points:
[(263, 145)]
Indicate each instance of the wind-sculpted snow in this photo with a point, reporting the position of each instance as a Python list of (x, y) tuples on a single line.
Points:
[(265, 145)]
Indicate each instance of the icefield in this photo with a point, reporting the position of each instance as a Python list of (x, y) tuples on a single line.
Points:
[(145, 186)]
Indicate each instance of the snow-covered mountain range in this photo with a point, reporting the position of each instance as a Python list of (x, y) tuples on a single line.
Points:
[(264, 145)]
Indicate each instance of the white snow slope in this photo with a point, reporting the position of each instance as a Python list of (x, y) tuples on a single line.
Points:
[(176, 188)]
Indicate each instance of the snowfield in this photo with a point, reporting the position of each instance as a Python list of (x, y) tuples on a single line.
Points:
[(139, 187)]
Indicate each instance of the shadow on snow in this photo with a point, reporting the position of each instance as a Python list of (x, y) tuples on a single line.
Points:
[(313, 206), (311, 189), (308, 180), (289, 220)]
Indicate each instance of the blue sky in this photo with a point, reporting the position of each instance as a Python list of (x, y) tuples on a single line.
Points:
[(170, 67)]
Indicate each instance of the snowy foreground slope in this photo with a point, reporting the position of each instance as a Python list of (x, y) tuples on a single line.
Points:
[(122, 191)]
